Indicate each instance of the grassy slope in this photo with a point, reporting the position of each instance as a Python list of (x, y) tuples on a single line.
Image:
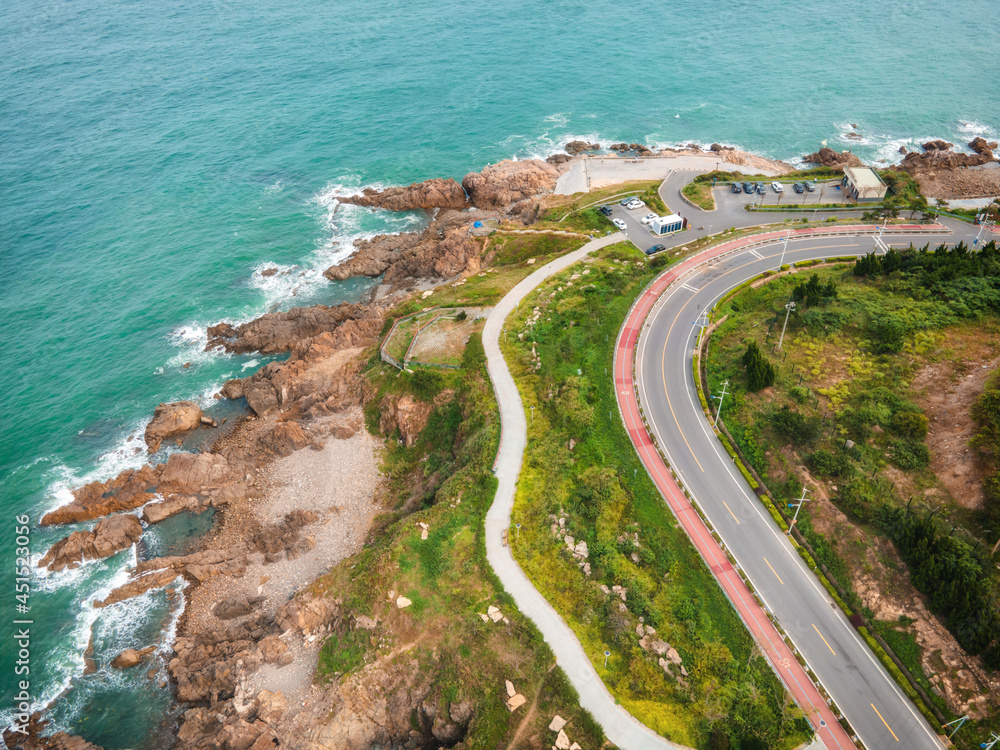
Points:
[(444, 480), (834, 380), (606, 493)]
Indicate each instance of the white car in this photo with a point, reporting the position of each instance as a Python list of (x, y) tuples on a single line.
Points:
[(647, 219), (635, 204), (776, 187), (620, 224)]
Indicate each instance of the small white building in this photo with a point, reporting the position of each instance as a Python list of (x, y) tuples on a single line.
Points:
[(667, 224), (863, 184)]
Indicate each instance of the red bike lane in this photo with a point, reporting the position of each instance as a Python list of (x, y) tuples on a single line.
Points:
[(771, 643)]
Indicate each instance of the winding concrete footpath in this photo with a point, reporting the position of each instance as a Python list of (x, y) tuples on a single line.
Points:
[(623, 729)]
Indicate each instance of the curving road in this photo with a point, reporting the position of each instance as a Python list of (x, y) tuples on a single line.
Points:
[(658, 342)]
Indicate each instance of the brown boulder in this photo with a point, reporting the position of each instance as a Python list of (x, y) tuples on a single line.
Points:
[(284, 439), (109, 536), (126, 491), (281, 331), (558, 159), (983, 147), (130, 657), (195, 474), (443, 251), (937, 145), (578, 147), (170, 420), (937, 159), (827, 157), (501, 185), (406, 414), (236, 606), (159, 511), (436, 193), (233, 389)]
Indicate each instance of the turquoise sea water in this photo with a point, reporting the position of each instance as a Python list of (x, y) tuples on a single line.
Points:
[(154, 157)]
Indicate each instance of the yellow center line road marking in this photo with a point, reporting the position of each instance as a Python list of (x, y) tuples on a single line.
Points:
[(731, 512), (828, 645), (884, 722), (775, 572)]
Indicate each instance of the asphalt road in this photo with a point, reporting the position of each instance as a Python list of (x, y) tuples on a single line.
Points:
[(879, 712)]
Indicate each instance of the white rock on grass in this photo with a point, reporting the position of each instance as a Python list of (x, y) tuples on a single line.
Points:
[(511, 692), (562, 741), (516, 701), (557, 723), (402, 602)]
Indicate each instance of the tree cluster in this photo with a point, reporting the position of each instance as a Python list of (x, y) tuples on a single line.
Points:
[(812, 292), (760, 372)]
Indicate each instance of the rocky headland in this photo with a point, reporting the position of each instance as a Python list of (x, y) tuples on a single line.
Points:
[(296, 485)]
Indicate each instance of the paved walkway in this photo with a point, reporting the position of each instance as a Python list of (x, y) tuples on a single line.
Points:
[(596, 171), (619, 726)]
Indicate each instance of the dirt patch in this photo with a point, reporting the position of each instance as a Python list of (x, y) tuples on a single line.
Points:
[(443, 341), (945, 391), (880, 578)]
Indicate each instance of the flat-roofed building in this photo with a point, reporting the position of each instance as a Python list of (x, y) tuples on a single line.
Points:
[(863, 184)]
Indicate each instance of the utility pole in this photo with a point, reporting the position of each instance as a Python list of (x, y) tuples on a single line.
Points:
[(995, 548), (798, 507), (994, 739), (788, 309), (721, 396)]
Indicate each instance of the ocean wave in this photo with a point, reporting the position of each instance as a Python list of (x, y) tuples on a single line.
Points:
[(973, 129), (70, 665)]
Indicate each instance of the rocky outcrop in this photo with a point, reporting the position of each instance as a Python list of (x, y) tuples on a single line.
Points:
[(131, 657), (406, 414), (578, 147), (436, 193), (937, 145), (637, 148), (204, 474), (32, 738), (938, 156), (170, 420), (109, 536), (983, 147), (558, 159), (237, 606), (284, 439), (445, 250), (827, 157), (501, 185), (274, 333), (161, 571)]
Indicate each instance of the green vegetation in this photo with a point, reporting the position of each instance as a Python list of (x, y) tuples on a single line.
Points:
[(760, 371), (444, 479), (581, 475), (842, 407), (700, 194)]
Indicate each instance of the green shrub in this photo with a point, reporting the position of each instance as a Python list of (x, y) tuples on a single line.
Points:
[(828, 464), (909, 424), (909, 455), (793, 426), (760, 372)]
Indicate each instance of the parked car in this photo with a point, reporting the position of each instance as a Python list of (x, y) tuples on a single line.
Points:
[(810, 186), (798, 187), (635, 205), (748, 187), (760, 188), (647, 218), (620, 224), (656, 249), (735, 186), (606, 210), (777, 187), (629, 199)]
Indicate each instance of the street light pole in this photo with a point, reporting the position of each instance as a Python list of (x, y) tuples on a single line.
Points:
[(788, 309), (797, 509), (721, 396), (784, 247)]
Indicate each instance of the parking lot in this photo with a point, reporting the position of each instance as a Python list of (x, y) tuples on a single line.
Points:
[(637, 233), (826, 193)]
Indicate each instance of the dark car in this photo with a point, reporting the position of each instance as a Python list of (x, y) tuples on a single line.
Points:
[(656, 249), (761, 188), (748, 187), (606, 210), (798, 187), (735, 186), (810, 187)]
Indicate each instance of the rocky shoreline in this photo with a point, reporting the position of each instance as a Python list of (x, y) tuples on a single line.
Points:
[(248, 640)]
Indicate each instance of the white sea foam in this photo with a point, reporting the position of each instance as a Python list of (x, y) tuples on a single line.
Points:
[(972, 129), (72, 664), (250, 363)]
